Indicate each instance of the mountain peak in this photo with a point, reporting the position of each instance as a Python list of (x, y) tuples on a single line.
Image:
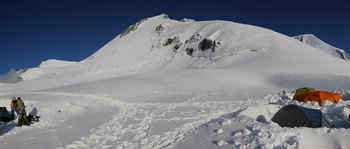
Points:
[(164, 16), (136, 25)]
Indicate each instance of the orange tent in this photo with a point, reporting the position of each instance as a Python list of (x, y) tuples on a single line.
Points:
[(319, 96)]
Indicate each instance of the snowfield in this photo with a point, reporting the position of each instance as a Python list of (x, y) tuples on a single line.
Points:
[(157, 86)]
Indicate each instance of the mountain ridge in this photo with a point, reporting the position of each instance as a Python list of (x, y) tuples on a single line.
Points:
[(315, 42)]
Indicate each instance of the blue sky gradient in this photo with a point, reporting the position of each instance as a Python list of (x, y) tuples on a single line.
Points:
[(32, 31)]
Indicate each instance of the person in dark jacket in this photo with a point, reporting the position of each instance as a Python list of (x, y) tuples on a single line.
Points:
[(14, 106), (22, 117)]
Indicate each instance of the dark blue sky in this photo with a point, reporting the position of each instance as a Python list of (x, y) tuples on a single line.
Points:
[(32, 31)]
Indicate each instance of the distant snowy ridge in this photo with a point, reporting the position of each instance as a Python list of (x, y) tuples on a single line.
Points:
[(53, 63), (45, 68), (313, 41)]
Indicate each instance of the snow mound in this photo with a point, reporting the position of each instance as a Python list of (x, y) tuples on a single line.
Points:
[(261, 113)]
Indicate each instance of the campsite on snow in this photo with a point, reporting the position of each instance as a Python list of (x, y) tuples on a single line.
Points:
[(164, 83)]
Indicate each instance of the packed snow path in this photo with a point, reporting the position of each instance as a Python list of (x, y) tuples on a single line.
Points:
[(146, 125), (125, 125), (162, 125)]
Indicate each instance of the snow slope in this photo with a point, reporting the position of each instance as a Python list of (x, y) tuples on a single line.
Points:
[(163, 83)]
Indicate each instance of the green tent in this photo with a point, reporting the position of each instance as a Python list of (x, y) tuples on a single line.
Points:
[(4, 114), (303, 91)]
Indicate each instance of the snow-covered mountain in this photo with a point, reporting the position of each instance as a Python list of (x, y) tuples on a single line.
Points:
[(161, 44), (313, 41), (164, 83)]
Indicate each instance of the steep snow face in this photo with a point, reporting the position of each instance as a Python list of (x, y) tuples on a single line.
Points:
[(313, 41)]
